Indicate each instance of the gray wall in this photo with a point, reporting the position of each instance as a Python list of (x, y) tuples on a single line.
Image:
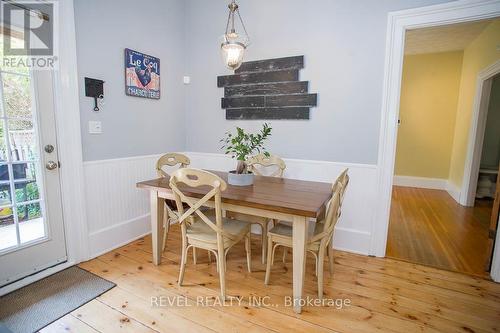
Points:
[(490, 156), (344, 47), (131, 126)]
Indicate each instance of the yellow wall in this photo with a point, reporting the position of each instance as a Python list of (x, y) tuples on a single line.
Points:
[(428, 107), (481, 53)]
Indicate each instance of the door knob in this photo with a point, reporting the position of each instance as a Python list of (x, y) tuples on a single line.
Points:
[(51, 165)]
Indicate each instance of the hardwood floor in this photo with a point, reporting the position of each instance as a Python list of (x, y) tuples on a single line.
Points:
[(428, 227), (385, 295)]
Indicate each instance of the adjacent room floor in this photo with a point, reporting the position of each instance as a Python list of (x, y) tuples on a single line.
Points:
[(428, 227), (385, 296)]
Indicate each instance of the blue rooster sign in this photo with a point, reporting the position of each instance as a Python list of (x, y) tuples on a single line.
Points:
[(142, 75)]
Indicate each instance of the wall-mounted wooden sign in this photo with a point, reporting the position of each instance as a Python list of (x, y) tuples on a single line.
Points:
[(267, 89)]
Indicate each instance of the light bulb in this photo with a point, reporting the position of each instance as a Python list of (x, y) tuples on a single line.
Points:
[(232, 53)]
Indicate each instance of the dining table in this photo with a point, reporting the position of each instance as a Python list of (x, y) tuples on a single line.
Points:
[(283, 199)]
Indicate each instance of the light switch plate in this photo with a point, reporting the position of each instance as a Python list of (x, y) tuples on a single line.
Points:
[(95, 127), (187, 79)]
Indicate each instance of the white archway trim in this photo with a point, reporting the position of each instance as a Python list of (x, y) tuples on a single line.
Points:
[(398, 23)]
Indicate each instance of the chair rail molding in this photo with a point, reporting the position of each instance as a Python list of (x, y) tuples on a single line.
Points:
[(398, 23)]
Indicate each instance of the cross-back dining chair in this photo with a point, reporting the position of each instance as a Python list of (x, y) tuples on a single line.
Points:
[(261, 162), (275, 167), (207, 230), (343, 180), (319, 243), (170, 214), (339, 184)]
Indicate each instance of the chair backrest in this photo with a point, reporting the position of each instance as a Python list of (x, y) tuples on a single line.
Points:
[(341, 183), (332, 215), (197, 178), (171, 159), (259, 162)]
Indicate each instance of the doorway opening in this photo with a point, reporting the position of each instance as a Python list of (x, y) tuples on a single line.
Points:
[(431, 222)]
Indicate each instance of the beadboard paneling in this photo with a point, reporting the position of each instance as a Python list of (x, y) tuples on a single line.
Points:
[(118, 212), (359, 201)]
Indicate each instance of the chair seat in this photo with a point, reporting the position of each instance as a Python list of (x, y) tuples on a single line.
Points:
[(281, 230), (200, 231), (286, 230)]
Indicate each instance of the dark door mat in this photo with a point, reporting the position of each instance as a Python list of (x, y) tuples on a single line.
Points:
[(35, 306)]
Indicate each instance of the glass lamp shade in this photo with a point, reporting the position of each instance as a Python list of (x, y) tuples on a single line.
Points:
[(232, 54)]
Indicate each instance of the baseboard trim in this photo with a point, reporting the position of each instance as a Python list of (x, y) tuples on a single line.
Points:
[(454, 191), (117, 235), (429, 183), (351, 240), (421, 182)]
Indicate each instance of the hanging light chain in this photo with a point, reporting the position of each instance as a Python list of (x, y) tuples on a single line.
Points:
[(234, 8), (227, 25), (243, 25)]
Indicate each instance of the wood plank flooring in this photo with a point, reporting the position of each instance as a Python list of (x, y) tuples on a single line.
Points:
[(430, 228), (385, 295)]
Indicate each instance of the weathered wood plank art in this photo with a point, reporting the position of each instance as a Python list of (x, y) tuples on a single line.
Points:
[(267, 89)]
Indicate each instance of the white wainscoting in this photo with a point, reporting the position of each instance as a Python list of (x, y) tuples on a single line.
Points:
[(118, 212), (353, 231)]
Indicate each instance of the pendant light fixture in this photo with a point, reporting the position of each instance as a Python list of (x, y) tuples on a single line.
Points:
[(234, 45)]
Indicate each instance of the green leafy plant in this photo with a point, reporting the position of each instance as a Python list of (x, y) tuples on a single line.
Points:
[(243, 144)]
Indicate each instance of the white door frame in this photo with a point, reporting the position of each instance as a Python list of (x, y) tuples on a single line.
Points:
[(398, 23), (476, 133), (67, 113)]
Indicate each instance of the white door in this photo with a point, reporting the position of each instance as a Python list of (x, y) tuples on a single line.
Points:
[(31, 223)]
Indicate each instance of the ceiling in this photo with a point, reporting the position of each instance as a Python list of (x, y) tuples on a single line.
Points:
[(453, 37)]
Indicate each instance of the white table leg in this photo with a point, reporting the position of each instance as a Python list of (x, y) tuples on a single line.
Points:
[(299, 260), (157, 205)]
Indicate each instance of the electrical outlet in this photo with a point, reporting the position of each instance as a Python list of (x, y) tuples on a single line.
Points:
[(95, 127)]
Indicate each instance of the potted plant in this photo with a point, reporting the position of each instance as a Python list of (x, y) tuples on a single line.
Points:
[(240, 146)]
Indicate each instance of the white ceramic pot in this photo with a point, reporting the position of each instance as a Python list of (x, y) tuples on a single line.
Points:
[(244, 179)]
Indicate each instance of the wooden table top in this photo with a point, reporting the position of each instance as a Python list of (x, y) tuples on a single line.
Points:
[(290, 196)]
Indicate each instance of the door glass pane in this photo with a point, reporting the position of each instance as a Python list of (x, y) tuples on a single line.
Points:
[(25, 182), (8, 236), (3, 144), (17, 95), (21, 212), (22, 140), (5, 193), (16, 43), (31, 224)]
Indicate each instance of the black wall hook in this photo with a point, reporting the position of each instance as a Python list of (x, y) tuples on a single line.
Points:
[(94, 88)]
